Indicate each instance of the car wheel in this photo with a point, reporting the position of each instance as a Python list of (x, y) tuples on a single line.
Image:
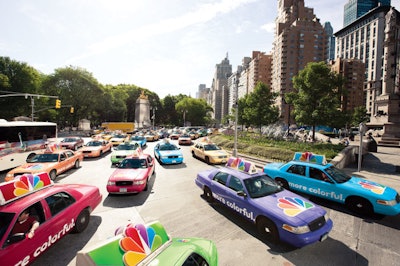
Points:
[(193, 154), (268, 230), (53, 174), (76, 166), (101, 153), (82, 221), (207, 160), (282, 182), (359, 205), (208, 194), (147, 185)]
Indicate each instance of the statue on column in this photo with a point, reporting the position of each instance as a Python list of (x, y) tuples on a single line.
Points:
[(142, 111)]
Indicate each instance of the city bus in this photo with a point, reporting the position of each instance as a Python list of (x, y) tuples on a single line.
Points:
[(20, 140)]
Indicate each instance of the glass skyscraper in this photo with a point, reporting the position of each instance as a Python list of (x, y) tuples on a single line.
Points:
[(354, 9)]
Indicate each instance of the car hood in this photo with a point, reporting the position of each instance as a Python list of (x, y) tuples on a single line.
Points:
[(169, 153), (34, 167), (273, 165), (216, 153), (290, 207), (91, 148), (123, 152), (369, 188), (128, 174)]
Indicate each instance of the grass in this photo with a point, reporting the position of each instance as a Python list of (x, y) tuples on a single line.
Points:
[(275, 150)]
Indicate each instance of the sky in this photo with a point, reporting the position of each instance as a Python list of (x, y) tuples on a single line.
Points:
[(169, 47)]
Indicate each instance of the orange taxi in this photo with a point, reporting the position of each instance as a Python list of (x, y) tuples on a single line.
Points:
[(53, 161), (96, 148)]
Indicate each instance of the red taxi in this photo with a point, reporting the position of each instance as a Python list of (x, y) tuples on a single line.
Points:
[(132, 174), (59, 209), (53, 161), (96, 148)]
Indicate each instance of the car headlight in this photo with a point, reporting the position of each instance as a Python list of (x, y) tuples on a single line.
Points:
[(387, 202), (111, 183), (296, 229), (141, 182), (326, 216)]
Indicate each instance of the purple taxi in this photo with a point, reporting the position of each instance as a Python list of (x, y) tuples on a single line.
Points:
[(279, 214)]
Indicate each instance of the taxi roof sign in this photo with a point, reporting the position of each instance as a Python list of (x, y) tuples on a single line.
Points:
[(22, 186), (309, 157), (241, 165)]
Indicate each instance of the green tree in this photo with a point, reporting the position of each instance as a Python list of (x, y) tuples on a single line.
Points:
[(315, 95), (260, 109), (193, 110), (18, 77), (360, 115)]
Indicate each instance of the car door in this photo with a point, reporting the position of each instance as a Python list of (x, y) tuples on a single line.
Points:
[(70, 159), (321, 185), (218, 186)]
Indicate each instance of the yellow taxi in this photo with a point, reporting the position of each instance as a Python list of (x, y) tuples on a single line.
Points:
[(209, 152), (53, 161)]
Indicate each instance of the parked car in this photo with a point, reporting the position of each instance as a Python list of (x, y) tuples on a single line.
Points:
[(72, 143), (96, 148), (122, 151), (139, 244), (310, 174), (132, 174), (209, 152), (118, 139), (150, 136), (168, 153), (52, 161), (59, 209), (280, 215)]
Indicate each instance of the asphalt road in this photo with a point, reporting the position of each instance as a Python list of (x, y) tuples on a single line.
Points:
[(175, 200)]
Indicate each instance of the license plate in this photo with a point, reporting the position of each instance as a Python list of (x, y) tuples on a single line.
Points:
[(324, 237), (173, 161), (123, 190)]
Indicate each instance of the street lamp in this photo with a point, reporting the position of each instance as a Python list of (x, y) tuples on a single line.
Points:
[(236, 106)]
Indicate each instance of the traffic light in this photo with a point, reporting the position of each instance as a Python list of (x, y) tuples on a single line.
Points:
[(58, 104), (71, 110)]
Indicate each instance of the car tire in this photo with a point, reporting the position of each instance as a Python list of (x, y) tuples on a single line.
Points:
[(193, 154), (82, 221), (268, 230), (359, 205), (77, 164), (53, 174), (282, 182), (147, 185), (101, 153), (208, 195), (207, 159)]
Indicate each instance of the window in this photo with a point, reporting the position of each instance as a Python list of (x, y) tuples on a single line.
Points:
[(235, 184), (297, 169), (221, 177), (59, 202), (196, 260)]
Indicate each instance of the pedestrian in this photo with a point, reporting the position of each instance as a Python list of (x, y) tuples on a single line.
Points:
[(25, 224)]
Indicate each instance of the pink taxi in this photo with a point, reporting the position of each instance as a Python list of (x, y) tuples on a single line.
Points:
[(59, 209)]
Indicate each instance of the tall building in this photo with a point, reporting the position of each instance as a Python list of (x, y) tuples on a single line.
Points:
[(331, 41), (299, 39), (203, 92), (219, 93), (259, 70), (354, 9), (375, 39), (353, 71)]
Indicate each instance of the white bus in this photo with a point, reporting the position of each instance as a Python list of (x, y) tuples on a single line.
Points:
[(20, 140)]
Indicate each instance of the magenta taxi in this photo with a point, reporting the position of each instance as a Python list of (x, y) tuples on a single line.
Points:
[(56, 210)]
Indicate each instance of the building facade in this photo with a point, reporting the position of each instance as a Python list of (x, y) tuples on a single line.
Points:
[(354, 9), (299, 39)]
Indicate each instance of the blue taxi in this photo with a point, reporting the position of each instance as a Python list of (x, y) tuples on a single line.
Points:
[(167, 152), (280, 215), (310, 174)]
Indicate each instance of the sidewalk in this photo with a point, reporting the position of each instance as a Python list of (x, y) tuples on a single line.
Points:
[(379, 166)]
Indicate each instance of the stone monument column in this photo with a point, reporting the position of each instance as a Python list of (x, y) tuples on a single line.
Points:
[(142, 112)]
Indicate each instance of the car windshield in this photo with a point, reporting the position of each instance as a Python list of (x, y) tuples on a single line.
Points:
[(133, 163), (337, 175), (69, 140), (5, 220), (119, 136), (137, 138), (127, 147), (44, 158), (93, 143), (168, 147), (211, 147), (261, 186)]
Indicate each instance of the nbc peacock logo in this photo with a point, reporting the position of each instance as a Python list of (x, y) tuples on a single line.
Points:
[(26, 184), (138, 242), (293, 206), (308, 157), (373, 187)]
